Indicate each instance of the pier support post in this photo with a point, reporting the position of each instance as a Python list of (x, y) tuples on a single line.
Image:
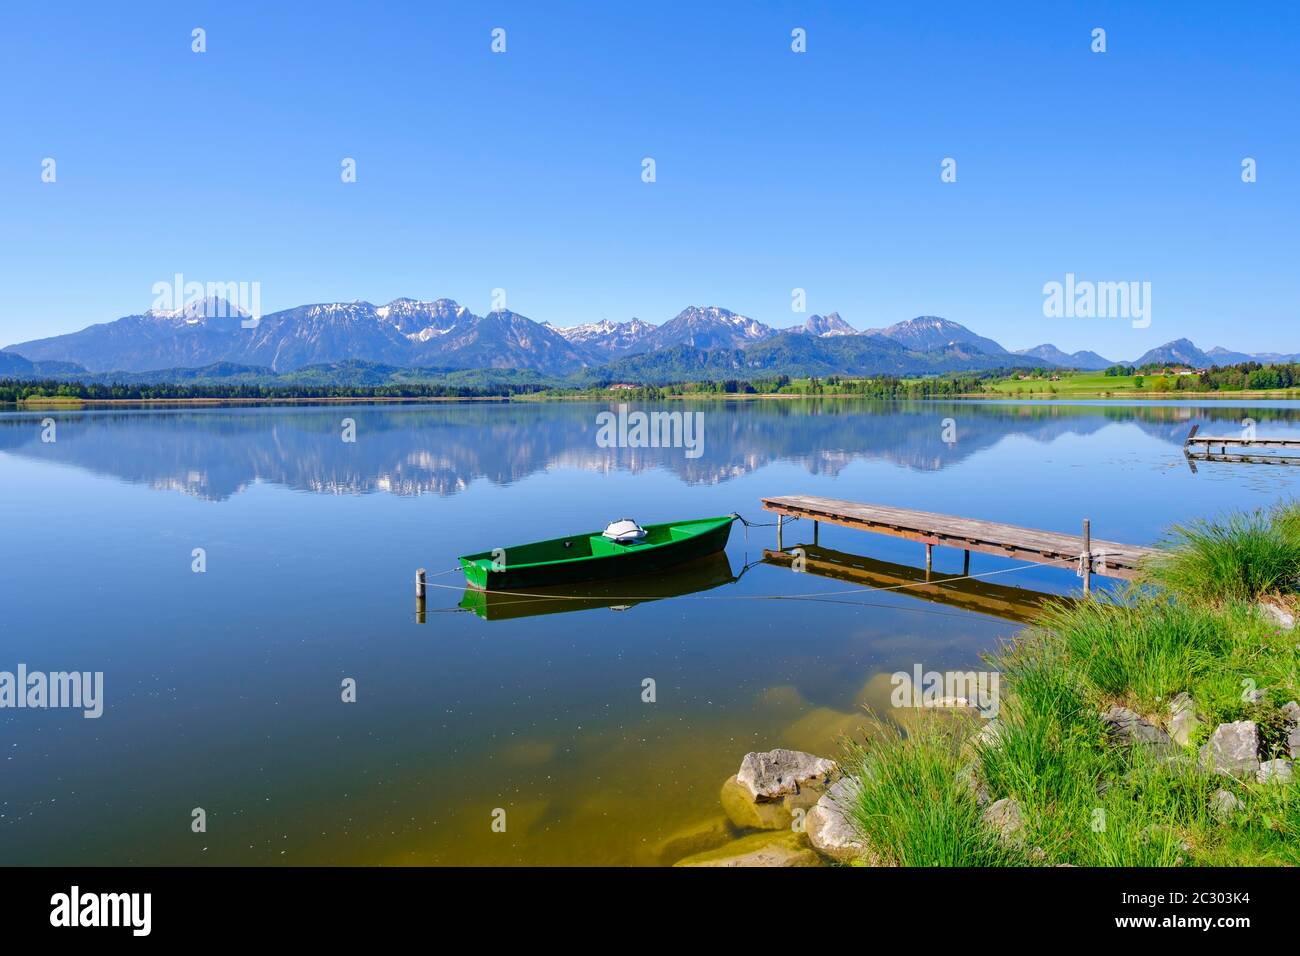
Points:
[(816, 524), (419, 596), (780, 520), (1087, 556), (965, 563), (929, 556)]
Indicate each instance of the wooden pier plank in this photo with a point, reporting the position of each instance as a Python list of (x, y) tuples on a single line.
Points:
[(1244, 442), (990, 537)]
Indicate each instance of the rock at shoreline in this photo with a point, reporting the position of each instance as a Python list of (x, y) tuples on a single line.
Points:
[(829, 830), (758, 849), (1233, 749), (1183, 721), (745, 813), (990, 735), (1274, 771), (1007, 820), (970, 778), (1278, 613), (774, 774), (1225, 804), (1292, 711), (1130, 727)]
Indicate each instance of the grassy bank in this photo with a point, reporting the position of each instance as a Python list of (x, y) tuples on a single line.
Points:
[(1218, 383), (1085, 791)]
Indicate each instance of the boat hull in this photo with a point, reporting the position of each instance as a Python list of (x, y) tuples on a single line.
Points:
[(701, 574), (590, 557)]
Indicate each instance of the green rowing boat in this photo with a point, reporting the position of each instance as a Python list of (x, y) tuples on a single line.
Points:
[(619, 594), (622, 549)]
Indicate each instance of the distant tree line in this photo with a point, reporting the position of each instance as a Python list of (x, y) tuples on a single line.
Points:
[(1251, 376), (14, 390), (1248, 376)]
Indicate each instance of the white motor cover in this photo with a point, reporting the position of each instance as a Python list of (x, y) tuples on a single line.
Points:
[(624, 529)]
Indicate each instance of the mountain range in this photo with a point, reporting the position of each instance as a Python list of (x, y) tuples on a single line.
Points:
[(441, 335)]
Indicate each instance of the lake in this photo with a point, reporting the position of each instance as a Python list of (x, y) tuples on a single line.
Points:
[(222, 689)]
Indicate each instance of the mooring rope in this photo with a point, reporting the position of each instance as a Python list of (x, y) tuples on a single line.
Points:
[(815, 596), (737, 516)]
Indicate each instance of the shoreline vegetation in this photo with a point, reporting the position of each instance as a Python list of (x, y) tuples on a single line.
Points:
[(1155, 726), (1250, 380)]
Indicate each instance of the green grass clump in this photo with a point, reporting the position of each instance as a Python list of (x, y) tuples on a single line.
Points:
[(1086, 801), (910, 807), (1138, 648), (1240, 557)]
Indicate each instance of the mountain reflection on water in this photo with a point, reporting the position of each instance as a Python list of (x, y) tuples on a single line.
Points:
[(215, 453)]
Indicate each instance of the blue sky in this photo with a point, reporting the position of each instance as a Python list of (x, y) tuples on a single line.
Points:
[(775, 170)]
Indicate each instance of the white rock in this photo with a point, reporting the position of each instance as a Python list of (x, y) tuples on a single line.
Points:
[(1292, 711), (1225, 804), (1233, 749), (1183, 721), (1005, 817), (828, 828), (1274, 771), (1278, 613), (774, 773)]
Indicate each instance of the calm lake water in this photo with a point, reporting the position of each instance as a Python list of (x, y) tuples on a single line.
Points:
[(222, 689)]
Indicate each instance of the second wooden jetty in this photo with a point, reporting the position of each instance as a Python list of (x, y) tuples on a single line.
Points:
[(1201, 448), (1083, 552)]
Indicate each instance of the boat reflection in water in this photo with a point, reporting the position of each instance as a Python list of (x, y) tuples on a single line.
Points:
[(702, 574), (969, 594)]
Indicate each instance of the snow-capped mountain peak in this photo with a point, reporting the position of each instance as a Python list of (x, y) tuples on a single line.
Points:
[(193, 313), (825, 325)]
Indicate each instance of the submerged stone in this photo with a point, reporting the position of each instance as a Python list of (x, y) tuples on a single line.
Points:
[(697, 838), (745, 813), (758, 849)]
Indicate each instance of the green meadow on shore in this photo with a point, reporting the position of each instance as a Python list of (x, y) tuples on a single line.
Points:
[(1139, 385)]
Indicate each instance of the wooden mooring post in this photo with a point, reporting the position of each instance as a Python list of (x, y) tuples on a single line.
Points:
[(419, 596), (1087, 556)]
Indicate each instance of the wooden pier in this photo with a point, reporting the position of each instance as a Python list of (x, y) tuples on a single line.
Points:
[(1106, 558), (1201, 448)]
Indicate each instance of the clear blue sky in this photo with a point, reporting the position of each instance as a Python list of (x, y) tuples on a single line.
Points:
[(775, 170)]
